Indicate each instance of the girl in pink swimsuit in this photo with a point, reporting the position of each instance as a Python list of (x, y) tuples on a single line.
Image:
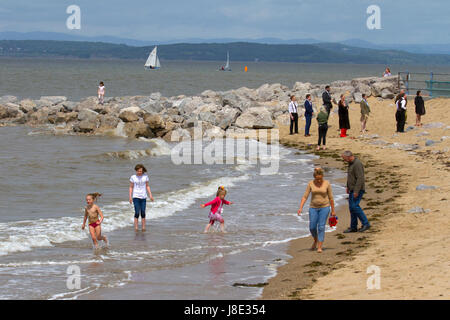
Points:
[(217, 209)]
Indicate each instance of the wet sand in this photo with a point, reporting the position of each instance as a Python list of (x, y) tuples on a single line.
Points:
[(410, 249)]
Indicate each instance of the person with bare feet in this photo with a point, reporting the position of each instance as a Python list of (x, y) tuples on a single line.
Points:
[(92, 211), (138, 194), (319, 208), (217, 209)]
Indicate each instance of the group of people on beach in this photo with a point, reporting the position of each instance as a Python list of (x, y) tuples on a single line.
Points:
[(324, 114), (343, 113)]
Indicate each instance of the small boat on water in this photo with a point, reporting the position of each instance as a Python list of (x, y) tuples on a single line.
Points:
[(152, 60), (227, 66)]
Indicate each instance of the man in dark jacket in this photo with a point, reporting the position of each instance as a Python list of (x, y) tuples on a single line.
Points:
[(326, 98), (309, 112), (355, 190)]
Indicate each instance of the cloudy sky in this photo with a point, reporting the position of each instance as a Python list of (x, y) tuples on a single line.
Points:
[(402, 21)]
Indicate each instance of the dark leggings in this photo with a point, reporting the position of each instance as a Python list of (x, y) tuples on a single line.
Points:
[(323, 128), (400, 116)]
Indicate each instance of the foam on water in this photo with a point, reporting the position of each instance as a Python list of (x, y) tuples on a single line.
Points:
[(23, 236)]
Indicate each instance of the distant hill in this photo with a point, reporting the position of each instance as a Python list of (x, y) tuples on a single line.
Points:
[(239, 51), (59, 36)]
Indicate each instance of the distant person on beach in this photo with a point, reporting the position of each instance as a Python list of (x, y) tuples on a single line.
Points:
[(420, 108), (327, 100), (101, 93), (309, 113), (319, 207), (293, 114), (365, 111), (95, 216), (217, 209), (355, 190), (400, 114), (387, 72), (139, 186), (344, 121), (322, 120)]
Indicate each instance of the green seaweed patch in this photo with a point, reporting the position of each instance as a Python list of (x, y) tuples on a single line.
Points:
[(253, 285), (314, 264)]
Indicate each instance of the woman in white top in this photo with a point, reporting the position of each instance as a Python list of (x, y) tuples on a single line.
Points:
[(138, 194), (387, 72), (101, 92)]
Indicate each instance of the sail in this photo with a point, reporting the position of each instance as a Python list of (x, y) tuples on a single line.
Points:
[(227, 66), (153, 60)]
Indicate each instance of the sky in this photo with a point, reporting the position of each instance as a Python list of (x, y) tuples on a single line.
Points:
[(402, 21)]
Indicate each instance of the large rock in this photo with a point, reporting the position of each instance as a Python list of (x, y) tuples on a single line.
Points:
[(39, 117), (87, 114), (137, 130), (27, 105), (387, 94), (62, 117), (54, 99), (9, 110), (8, 99), (87, 126), (154, 121), (380, 86), (128, 116), (255, 118), (226, 117)]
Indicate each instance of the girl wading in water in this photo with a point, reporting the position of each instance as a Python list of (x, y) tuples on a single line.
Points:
[(138, 194), (319, 208), (92, 211), (217, 209)]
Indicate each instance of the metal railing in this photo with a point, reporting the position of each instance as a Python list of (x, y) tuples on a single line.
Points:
[(435, 84)]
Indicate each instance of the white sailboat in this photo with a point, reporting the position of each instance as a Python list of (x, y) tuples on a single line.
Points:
[(227, 66), (152, 60)]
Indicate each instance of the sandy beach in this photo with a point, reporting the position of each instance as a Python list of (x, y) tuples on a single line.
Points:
[(407, 241)]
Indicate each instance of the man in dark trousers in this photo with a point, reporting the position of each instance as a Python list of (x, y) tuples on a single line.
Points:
[(355, 190), (293, 114), (309, 112), (326, 98)]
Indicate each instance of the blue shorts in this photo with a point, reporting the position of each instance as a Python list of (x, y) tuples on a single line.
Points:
[(139, 207)]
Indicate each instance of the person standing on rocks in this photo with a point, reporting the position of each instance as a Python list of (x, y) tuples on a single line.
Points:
[(365, 111), (355, 190), (309, 113), (293, 114), (101, 93), (400, 115), (326, 98), (420, 108), (344, 121)]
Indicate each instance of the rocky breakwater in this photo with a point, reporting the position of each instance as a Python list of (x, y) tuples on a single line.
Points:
[(154, 116)]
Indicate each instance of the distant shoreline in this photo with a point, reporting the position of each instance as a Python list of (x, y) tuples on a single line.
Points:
[(239, 51)]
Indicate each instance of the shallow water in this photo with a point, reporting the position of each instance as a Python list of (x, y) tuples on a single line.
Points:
[(45, 178)]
